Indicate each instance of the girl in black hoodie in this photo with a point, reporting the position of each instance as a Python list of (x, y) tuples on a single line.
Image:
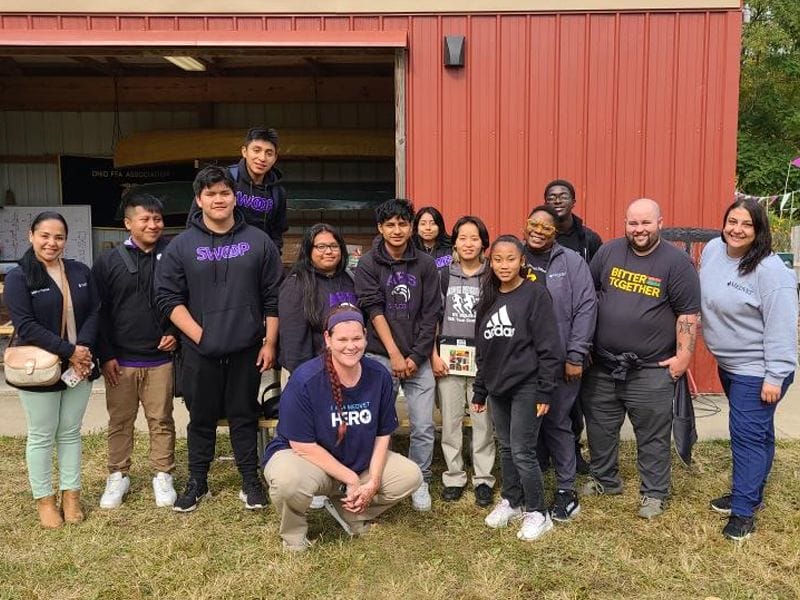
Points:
[(518, 356), (430, 236)]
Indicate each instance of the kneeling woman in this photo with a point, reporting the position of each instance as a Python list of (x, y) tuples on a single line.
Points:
[(336, 417)]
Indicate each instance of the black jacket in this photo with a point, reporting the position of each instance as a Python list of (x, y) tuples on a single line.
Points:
[(228, 282), (130, 325), (299, 341), (36, 314), (263, 205), (517, 341), (581, 239), (407, 292)]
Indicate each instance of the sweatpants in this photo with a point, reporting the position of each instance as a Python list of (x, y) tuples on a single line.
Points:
[(221, 387), (557, 434), (152, 388), (420, 392), (293, 481), (54, 418), (455, 397), (646, 396), (751, 423), (517, 428)]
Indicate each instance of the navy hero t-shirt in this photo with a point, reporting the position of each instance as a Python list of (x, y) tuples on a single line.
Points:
[(308, 412)]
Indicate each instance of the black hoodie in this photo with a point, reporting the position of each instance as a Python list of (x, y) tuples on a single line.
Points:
[(263, 205), (299, 341), (130, 325), (406, 291), (581, 239), (228, 282)]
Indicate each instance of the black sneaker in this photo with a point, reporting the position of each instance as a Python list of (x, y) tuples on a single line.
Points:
[(723, 504), (253, 495), (565, 506), (739, 528), (452, 493), (196, 490), (484, 495)]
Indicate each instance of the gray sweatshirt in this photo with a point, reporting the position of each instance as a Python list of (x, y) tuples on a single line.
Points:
[(750, 321)]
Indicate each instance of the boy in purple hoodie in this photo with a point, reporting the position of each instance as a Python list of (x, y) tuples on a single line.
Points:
[(397, 286)]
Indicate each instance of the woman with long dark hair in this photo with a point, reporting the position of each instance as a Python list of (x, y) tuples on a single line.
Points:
[(430, 236), (337, 415), (749, 310), (37, 292), (519, 356), (317, 282)]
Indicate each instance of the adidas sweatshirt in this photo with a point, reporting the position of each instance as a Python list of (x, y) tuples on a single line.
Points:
[(517, 341)]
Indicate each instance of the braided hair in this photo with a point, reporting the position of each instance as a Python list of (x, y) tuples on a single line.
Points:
[(340, 314)]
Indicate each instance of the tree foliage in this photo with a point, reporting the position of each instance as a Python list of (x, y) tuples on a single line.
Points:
[(769, 97)]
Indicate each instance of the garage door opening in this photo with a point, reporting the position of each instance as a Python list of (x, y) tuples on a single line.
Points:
[(85, 125)]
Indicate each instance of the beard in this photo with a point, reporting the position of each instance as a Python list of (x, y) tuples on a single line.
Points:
[(643, 247)]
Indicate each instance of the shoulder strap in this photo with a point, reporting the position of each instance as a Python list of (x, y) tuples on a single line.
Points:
[(64, 292), (126, 258)]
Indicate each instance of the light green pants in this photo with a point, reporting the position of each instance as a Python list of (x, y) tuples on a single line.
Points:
[(54, 417)]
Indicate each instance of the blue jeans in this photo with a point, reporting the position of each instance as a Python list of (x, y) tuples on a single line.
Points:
[(517, 429), (752, 429), (420, 393), (54, 418)]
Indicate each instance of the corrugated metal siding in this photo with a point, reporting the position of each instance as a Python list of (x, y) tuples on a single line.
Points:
[(622, 104)]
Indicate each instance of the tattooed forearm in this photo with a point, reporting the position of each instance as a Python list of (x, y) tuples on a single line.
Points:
[(686, 333)]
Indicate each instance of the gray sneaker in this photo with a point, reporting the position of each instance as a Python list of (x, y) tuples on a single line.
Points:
[(651, 507), (421, 499), (595, 488)]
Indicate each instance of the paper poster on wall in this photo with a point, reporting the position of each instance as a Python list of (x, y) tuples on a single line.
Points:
[(15, 223)]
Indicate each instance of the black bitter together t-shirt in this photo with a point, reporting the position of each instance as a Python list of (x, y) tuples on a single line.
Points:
[(640, 298)]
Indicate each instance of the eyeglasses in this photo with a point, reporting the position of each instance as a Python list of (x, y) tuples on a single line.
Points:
[(323, 247), (563, 196), (541, 227)]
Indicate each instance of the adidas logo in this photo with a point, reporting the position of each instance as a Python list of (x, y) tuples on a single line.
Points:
[(499, 325)]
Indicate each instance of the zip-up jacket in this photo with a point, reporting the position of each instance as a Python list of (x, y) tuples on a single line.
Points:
[(517, 341), (442, 254), (228, 282), (571, 287), (407, 292), (263, 205), (581, 239), (36, 314), (130, 325), (299, 341)]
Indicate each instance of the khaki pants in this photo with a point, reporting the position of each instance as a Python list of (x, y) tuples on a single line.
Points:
[(293, 481), (152, 386), (455, 395)]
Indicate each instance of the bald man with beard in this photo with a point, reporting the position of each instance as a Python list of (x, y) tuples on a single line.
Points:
[(648, 305)]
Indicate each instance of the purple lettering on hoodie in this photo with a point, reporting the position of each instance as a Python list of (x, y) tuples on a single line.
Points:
[(337, 298), (400, 285), (256, 203), (226, 252), (443, 261)]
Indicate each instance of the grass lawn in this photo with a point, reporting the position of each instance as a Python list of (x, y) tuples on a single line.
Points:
[(222, 551)]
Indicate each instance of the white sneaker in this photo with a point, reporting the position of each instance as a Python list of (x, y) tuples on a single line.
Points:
[(117, 485), (534, 525), (502, 514), (164, 490), (421, 499), (318, 502)]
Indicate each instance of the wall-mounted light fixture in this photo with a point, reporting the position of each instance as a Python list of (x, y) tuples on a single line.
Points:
[(187, 63), (453, 50)]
